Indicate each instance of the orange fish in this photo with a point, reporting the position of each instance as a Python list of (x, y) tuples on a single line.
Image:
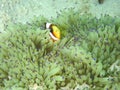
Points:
[(54, 31)]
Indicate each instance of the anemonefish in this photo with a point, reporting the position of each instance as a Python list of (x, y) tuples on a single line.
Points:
[(54, 31)]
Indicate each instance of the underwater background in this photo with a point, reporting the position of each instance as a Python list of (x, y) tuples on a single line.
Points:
[(87, 57)]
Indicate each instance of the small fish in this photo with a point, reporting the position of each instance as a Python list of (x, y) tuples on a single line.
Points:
[(100, 1), (54, 31)]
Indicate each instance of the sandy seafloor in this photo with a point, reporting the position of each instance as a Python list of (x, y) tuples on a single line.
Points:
[(24, 10)]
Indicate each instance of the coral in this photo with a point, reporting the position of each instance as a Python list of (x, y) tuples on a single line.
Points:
[(100, 37), (87, 56)]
